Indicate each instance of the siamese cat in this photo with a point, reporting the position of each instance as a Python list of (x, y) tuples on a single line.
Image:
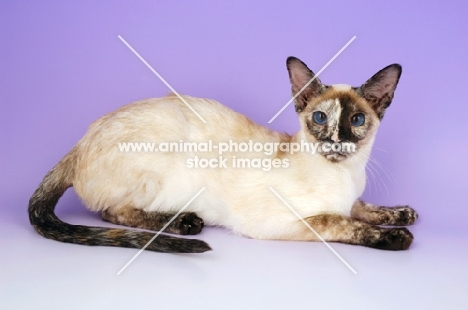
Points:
[(147, 189)]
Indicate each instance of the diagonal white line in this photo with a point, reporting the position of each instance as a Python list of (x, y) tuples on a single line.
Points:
[(313, 230), (311, 80), (162, 229), (162, 79)]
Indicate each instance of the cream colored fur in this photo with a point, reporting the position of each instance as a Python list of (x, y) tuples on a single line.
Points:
[(238, 199)]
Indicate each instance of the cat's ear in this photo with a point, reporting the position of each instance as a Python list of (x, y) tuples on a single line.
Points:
[(379, 89), (300, 75)]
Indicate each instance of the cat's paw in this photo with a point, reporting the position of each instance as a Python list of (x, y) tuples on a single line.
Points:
[(394, 239), (403, 216), (187, 223)]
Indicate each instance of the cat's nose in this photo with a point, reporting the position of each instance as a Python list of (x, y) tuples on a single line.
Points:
[(335, 138)]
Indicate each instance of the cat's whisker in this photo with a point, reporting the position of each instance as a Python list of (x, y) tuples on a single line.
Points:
[(380, 178), (368, 182), (380, 149), (382, 187), (369, 175), (377, 177), (374, 179), (381, 167)]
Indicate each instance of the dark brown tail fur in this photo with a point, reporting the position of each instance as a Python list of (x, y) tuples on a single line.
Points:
[(42, 217)]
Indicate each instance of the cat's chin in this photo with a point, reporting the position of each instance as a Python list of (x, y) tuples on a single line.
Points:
[(335, 157)]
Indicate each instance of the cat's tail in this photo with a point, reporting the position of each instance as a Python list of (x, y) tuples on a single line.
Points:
[(42, 217)]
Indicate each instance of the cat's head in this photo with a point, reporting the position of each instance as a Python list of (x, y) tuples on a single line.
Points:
[(340, 118)]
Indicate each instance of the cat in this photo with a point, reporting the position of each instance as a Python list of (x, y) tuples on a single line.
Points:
[(147, 189)]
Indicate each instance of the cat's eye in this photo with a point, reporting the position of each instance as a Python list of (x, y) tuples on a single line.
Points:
[(320, 117), (358, 119)]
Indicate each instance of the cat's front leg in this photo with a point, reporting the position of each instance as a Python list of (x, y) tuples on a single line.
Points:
[(338, 228), (376, 215)]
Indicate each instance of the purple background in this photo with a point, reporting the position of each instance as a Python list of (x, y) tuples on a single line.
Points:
[(62, 66)]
